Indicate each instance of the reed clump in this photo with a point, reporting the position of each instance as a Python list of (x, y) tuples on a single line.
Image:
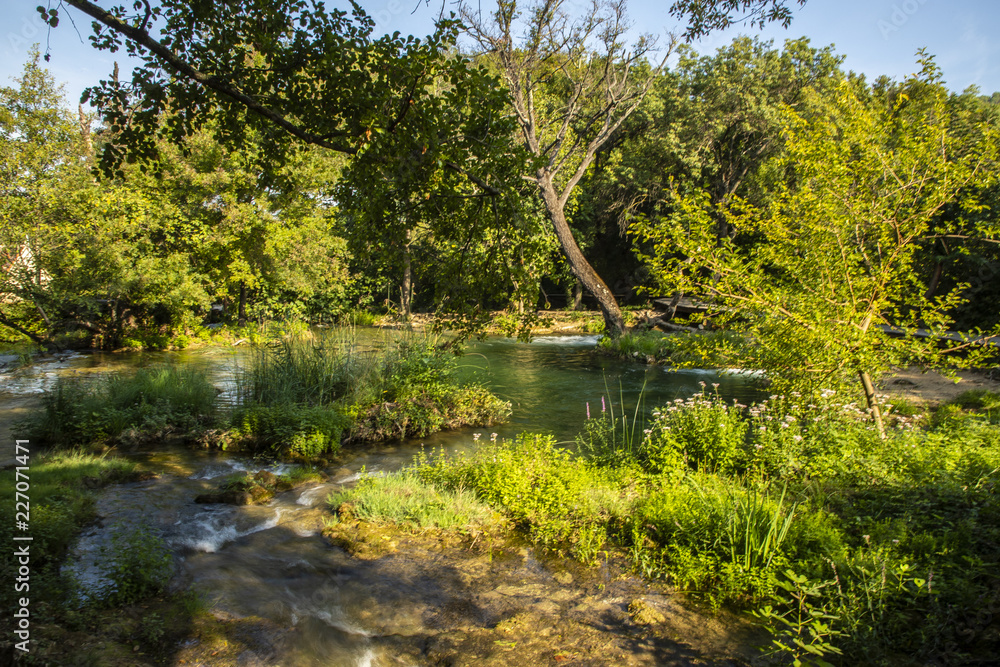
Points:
[(308, 393)]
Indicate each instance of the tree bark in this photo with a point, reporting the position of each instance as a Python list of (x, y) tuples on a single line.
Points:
[(614, 323), (406, 290), (866, 382), (577, 295)]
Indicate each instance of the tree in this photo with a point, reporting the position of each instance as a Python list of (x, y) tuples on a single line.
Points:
[(40, 158), (711, 122), (832, 277), (573, 83), (245, 238), (318, 76), (568, 100)]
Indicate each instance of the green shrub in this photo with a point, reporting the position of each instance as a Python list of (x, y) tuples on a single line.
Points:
[(406, 387), (716, 537), (981, 401), (358, 318), (138, 566), (701, 432), (557, 499), (290, 429), (701, 349), (419, 411), (803, 629)]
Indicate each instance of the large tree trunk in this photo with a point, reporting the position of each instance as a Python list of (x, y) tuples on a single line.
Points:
[(614, 324)]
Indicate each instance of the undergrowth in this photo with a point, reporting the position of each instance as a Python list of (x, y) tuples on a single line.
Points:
[(849, 548), (307, 394), (125, 407)]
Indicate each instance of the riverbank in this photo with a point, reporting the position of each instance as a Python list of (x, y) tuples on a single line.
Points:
[(260, 585), (790, 512), (668, 495)]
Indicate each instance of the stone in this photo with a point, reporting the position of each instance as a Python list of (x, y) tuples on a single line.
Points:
[(643, 613)]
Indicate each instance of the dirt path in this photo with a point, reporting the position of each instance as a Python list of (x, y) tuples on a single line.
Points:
[(932, 388)]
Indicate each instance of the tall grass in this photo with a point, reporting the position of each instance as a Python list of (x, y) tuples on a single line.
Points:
[(322, 369), (609, 438), (148, 402), (311, 391)]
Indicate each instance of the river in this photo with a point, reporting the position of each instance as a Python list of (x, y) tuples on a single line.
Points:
[(271, 562)]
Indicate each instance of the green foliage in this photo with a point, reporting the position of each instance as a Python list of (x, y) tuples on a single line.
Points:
[(609, 439), (62, 502), (290, 429), (305, 385), (981, 401), (715, 536), (558, 500), (138, 565), (121, 406), (886, 537), (703, 349), (404, 497), (702, 432), (803, 632), (819, 317)]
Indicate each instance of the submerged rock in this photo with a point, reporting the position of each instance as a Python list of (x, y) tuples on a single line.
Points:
[(228, 497), (643, 613)]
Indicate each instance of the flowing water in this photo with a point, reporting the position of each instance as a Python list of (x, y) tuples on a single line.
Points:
[(270, 561)]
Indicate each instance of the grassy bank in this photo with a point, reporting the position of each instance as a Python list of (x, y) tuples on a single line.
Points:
[(702, 349), (62, 489), (144, 405), (851, 549)]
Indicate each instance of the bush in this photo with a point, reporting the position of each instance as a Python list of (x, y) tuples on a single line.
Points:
[(138, 566), (710, 535), (702, 349), (559, 500), (404, 388), (701, 432), (282, 430), (980, 401)]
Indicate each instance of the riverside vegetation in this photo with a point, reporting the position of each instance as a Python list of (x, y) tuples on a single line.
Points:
[(298, 398), (848, 547)]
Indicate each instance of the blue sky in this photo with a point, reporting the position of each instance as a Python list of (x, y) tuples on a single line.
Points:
[(876, 36)]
